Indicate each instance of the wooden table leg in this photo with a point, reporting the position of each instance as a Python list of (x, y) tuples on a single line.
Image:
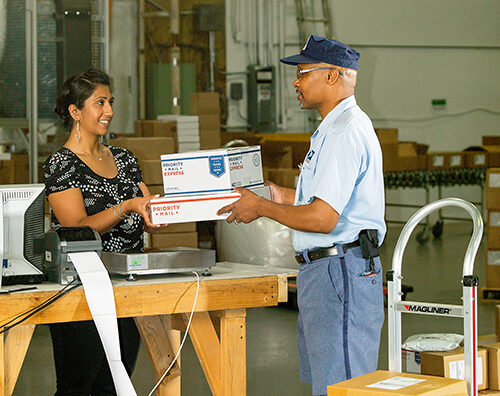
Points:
[(233, 379), (13, 348), (220, 343), (162, 343)]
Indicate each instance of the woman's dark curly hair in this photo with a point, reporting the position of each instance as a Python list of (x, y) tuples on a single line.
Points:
[(76, 90)]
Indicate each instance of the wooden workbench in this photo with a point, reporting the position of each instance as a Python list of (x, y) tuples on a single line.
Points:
[(161, 306)]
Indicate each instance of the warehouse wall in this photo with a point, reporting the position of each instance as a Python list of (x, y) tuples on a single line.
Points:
[(411, 52), (123, 64)]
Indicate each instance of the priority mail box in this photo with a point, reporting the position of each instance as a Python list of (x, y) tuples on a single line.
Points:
[(211, 171), (180, 209), (200, 207)]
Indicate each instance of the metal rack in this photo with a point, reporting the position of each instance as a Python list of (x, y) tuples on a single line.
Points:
[(467, 311), (437, 178)]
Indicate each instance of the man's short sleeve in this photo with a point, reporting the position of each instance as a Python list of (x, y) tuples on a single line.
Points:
[(337, 170), (60, 173)]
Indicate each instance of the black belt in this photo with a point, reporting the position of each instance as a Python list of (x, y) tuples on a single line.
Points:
[(325, 252)]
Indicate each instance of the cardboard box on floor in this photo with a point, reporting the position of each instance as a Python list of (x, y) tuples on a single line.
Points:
[(204, 103), (155, 128), (450, 364), (146, 148), (493, 347), (493, 189), (15, 170), (493, 269), (183, 239), (492, 154), (276, 155), (476, 158), (497, 321), (445, 160), (282, 177), (151, 171), (493, 234), (381, 383), (387, 135), (491, 140)]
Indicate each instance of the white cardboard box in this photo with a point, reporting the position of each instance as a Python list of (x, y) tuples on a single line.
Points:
[(211, 171), (201, 207)]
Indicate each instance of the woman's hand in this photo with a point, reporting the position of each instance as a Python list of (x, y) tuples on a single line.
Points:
[(141, 206)]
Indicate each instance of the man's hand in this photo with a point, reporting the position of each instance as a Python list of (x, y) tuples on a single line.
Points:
[(245, 209)]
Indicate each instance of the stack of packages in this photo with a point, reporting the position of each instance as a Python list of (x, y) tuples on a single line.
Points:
[(14, 168), (148, 151), (401, 156), (441, 355), (206, 106), (485, 156), (184, 130), (493, 228), (282, 156), (197, 184), (187, 131)]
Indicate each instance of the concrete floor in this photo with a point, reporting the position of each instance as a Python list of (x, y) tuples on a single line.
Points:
[(433, 269)]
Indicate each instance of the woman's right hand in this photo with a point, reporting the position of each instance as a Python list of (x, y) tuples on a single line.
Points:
[(141, 206)]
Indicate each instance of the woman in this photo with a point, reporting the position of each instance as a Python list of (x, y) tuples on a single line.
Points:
[(91, 184)]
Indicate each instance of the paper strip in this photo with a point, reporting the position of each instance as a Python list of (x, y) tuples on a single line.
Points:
[(100, 299)]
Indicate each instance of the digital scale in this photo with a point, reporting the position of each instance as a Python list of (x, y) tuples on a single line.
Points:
[(61, 241)]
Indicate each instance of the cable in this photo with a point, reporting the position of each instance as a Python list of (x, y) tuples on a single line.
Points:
[(185, 334), (29, 313), (437, 116)]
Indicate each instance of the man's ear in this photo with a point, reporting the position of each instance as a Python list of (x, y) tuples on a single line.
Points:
[(332, 76)]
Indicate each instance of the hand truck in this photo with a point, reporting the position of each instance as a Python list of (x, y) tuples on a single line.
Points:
[(468, 310)]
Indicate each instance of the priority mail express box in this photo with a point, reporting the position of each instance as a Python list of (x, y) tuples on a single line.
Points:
[(200, 207), (211, 171)]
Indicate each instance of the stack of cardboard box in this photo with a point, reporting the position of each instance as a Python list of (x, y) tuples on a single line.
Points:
[(282, 156), (188, 131), (197, 184), (400, 156), (493, 230), (206, 106), (148, 151), (14, 168)]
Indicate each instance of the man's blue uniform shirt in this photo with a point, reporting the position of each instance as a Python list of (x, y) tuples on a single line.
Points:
[(343, 168)]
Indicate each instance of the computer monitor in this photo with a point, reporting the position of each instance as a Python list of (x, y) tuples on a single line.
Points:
[(22, 215)]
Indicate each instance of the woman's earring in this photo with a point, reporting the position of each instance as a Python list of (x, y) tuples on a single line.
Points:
[(77, 136)]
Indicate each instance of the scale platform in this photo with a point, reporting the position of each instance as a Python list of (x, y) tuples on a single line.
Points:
[(159, 261)]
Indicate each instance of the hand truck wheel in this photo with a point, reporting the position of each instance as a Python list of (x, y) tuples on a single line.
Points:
[(423, 236), (437, 230)]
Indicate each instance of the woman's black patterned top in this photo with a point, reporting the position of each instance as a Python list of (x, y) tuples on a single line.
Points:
[(64, 169)]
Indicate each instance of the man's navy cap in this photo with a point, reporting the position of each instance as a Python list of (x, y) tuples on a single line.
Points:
[(321, 49)]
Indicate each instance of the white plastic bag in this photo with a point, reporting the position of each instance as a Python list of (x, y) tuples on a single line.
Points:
[(433, 342)]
